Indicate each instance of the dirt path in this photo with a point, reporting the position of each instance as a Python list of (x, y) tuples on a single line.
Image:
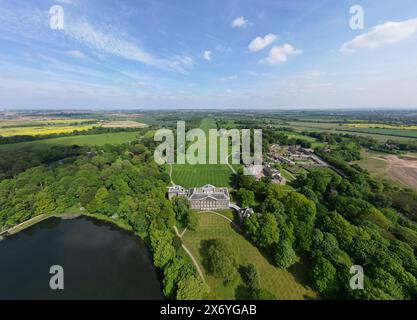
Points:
[(403, 170), (180, 235), (170, 175), (193, 259), (228, 163)]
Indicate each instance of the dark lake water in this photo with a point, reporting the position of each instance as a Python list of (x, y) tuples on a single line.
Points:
[(100, 261)]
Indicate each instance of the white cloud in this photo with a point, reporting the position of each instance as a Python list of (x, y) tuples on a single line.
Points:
[(240, 22), (207, 55), (112, 44), (185, 61), (76, 54), (279, 55), (387, 33), (260, 43)]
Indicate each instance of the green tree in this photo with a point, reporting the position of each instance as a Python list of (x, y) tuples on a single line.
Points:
[(127, 207), (268, 232), (246, 197), (193, 220), (182, 208), (44, 203), (163, 250), (98, 204), (192, 288), (252, 226), (221, 260), (176, 270), (250, 276), (284, 254), (273, 206), (323, 274), (302, 213)]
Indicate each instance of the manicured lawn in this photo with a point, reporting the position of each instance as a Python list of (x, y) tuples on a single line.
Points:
[(198, 175), (283, 284), (81, 140), (219, 175)]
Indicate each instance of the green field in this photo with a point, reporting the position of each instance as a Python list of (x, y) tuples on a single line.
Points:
[(81, 140), (375, 166), (380, 134), (189, 176), (198, 175), (402, 133), (283, 284)]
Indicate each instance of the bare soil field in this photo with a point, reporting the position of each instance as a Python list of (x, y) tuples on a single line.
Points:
[(402, 169), (124, 124)]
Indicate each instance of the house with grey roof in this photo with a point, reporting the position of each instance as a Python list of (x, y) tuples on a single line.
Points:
[(207, 197)]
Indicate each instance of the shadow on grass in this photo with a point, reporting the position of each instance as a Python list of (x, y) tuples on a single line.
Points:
[(299, 270), (242, 292), (204, 247)]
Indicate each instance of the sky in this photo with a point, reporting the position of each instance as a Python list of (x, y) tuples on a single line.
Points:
[(208, 54)]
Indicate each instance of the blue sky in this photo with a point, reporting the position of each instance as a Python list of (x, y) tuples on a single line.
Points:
[(255, 54)]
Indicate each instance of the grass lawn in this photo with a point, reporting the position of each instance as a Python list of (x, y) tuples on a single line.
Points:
[(219, 175), (198, 175), (81, 140), (283, 284)]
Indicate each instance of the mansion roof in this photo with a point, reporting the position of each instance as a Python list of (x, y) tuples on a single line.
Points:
[(205, 192)]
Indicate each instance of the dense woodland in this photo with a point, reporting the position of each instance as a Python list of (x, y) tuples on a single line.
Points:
[(334, 222)]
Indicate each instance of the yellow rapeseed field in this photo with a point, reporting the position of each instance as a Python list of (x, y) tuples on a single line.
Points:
[(42, 130), (382, 126)]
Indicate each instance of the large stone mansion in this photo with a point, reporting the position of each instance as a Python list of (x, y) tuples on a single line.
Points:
[(207, 197)]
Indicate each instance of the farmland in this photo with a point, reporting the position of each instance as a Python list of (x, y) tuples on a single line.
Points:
[(401, 170), (42, 130), (382, 126), (123, 124), (81, 140), (379, 132), (282, 283)]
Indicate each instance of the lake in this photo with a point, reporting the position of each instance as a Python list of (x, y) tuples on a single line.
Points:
[(100, 261)]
